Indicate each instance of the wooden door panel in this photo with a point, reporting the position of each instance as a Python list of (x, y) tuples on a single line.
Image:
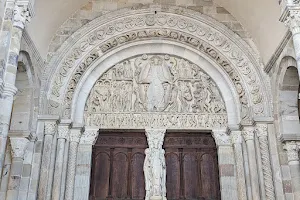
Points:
[(191, 165), (120, 174), (189, 175), (101, 176), (137, 178), (173, 175)]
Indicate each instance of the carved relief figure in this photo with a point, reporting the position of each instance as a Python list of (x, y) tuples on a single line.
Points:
[(154, 165), (156, 84)]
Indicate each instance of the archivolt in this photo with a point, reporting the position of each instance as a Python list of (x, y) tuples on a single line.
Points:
[(180, 25)]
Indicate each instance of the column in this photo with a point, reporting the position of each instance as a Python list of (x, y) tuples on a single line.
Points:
[(292, 150), (248, 134), (75, 135), (5, 114), (262, 134), (50, 132), (84, 163), (228, 179), (155, 165), (62, 136), (236, 138), (291, 18), (9, 64), (18, 146)]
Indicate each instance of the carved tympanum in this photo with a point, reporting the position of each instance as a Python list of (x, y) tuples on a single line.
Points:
[(165, 90)]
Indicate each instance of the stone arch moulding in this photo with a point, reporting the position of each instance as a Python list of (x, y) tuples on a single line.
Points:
[(208, 37)]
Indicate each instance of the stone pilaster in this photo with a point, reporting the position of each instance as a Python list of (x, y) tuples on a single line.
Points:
[(291, 18), (292, 150), (14, 23), (84, 163), (18, 148), (262, 134), (248, 134), (155, 165), (236, 138), (7, 99), (62, 136), (49, 133), (75, 135), (228, 179)]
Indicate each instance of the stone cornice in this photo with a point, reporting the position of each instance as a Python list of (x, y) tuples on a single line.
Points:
[(289, 137)]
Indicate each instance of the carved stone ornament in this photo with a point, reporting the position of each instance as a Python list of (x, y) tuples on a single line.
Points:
[(292, 151), (21, 16), (221, 137), (75, 135), (187, 28), (18, 147), (236, 137), (63, 132), (89, 137), (50, 127), (155, 165), (262, 130), (155, 91), (248, 134)]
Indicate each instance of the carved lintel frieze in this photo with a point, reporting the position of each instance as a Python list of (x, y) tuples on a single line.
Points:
[(89, 136), (18, 146), (292, 150), (21, 16), (155, 165), (221, 137)]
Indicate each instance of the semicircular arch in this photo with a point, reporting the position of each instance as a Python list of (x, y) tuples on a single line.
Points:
[(98, 37)]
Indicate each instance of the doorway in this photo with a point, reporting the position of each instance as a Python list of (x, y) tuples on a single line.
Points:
[(118, 158)]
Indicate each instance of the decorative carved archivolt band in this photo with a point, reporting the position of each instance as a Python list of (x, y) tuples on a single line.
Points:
[(155, 91), (180, 23)]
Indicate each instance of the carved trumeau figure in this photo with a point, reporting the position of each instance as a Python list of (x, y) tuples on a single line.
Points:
[(155, 165)]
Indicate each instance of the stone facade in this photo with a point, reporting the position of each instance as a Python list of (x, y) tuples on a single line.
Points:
[(151, 65)]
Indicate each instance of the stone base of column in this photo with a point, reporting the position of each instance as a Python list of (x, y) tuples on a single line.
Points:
[(156, 198)]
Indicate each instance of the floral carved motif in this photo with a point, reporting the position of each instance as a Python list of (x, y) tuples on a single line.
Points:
[(155, 91)]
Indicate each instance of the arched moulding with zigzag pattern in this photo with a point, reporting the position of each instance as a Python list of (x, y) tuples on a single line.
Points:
[(183, 26)]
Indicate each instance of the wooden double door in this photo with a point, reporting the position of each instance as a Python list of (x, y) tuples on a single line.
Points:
[(118, 158)]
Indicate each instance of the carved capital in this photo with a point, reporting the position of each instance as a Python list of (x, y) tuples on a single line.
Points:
[(236, 137), (248, 134), (261, 130), (221, 137), (21, 16), (292, 151), (50, 127), (89, 136), (155, 138), (63, 132), (75, 135), (18, 147)]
